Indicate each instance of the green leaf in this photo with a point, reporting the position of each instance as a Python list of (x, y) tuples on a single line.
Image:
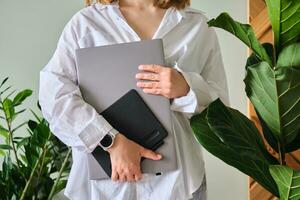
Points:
[(275, 96), (60, 186), (32, 125), (285, 20), (3, 82), (232, 137), (24, 159), (242, 31), (4, 132), (19, 126), (5, 146), (6, 89), (253, 59), (31, 155), (38, 105), (288, 182), (21, 96), (273, 141), (2, 153), (9, 110), (261, 89), (21, 111), (36, 116), (11, 93), (43, 130), (290, 56), (23, 142), (294, 145)]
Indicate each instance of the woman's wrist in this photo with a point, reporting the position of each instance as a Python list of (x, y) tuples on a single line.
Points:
[(116, 143)]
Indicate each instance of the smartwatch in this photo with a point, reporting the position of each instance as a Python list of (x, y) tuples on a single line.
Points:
[(108, 140)]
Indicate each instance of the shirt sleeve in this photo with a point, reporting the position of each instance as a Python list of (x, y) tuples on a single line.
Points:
[(71, 119), (206, 86)]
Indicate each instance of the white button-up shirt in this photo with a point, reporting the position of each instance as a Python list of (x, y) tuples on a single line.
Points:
[(189, 46)]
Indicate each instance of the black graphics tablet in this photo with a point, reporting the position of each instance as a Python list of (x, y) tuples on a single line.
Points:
[(132, 117)]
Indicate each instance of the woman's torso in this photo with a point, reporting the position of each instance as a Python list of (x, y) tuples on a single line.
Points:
[(181, 32)]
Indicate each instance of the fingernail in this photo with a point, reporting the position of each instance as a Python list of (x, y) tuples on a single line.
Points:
[(140, 66), (159, 156)]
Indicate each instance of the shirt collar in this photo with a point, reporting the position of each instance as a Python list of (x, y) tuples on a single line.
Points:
[(181, 12), (174, 17)]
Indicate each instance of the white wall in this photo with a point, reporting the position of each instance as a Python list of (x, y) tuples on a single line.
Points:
[(29, 31), (28, 35), (225, 182)]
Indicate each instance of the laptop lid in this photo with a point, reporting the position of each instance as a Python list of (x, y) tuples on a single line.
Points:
[(106, 73)]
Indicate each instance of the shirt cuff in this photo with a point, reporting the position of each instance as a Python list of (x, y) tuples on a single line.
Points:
[(187, 103), (94, 132)]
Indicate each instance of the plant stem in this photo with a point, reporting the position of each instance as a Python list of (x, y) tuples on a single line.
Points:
[(40, 172), (59, 175), (8, 122), (32, 173), (43, 160), (14, 147), (281, 152)]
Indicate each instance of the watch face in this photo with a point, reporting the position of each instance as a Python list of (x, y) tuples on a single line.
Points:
[(106, 141)]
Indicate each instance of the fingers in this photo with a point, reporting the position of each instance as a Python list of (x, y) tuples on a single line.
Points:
[(150, 84), (147, 76), (130, 174), (114, 175), (137, 173), (146, 153), (138, 176), (151, 68), (122, 177), (130, 177), (159, 81)]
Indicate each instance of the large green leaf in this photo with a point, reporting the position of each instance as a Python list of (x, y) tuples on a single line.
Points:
[(285, 20), (294, 145), (276, 95), (290, 56), (253, 59), (288, 182), (232, 137), (244, 32)]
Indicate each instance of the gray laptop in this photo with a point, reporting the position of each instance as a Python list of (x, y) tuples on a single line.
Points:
[(106, 73)]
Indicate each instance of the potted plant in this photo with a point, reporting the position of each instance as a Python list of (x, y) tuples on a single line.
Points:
[(273, 86), (34, 166)]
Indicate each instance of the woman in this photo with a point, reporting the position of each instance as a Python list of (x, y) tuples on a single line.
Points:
[(195, 79)]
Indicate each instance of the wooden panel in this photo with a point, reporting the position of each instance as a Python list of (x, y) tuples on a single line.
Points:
[(256, 7), (293, 159), (258, 17), (258, 192), (261, 23)]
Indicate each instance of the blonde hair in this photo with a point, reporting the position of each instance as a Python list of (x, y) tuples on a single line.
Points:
[(179, 4)]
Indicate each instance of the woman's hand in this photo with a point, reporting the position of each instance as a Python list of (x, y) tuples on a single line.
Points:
[(125, 158), (164, 81)]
